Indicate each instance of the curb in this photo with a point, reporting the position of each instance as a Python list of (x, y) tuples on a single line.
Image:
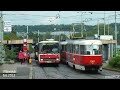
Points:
[(30, 74), (111, 69)]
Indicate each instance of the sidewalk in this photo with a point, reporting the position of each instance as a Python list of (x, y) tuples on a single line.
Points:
[(22, 71)]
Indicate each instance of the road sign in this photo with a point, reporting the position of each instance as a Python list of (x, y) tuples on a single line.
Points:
[(7, 29), (7, 26)]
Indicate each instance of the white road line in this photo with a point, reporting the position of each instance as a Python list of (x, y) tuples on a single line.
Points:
[(30, 74)]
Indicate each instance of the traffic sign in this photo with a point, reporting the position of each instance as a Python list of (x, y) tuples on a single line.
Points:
[(7, 26)]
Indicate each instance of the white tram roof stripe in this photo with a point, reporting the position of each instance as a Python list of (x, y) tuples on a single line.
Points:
[(87, 42), (49, 42), (64, 42)]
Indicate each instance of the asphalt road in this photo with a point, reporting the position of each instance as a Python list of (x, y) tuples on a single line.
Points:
[(66, 72)]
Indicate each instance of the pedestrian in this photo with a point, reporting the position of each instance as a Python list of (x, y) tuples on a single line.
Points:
[(25, 56), (21, 56), (28, 56)]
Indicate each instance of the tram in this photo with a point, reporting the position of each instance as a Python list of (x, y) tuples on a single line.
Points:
[(83, 54)]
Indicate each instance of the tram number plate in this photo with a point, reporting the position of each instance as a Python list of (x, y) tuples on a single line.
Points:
[(48, 61)]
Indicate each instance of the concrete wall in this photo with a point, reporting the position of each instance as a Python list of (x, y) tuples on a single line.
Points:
[(16, 41)]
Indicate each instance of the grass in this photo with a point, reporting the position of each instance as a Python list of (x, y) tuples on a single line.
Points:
[(112, 68)]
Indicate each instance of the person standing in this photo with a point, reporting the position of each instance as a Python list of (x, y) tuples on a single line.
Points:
[(21, 56), (28, 56), (25, 56)]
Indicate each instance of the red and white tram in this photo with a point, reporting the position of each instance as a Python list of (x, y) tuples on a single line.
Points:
[(84, 54), (48, 52)]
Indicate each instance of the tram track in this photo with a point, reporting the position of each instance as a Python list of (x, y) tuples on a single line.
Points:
[(65, 76), (67, 72)]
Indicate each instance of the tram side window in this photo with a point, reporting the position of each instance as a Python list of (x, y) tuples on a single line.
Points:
[(76, 49), (73, 48), (82, 48), (68, 48)]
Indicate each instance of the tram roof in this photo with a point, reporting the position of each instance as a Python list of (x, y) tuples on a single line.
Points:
[(49, 42), (87, 42), (63, 42)]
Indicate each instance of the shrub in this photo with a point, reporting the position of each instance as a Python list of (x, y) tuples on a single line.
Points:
[(10, 54), (115, 62), (30, 48)]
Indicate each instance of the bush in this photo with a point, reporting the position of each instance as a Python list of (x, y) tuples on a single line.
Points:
[(30, 48), (115, 62), (11, 54)]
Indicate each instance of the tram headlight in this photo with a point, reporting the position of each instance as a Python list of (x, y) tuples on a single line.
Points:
[(57, 58), (41, 59)]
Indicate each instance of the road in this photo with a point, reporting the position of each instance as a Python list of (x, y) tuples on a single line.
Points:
[(66, 72)]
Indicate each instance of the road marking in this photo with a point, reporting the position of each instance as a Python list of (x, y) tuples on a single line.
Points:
[(30, 74)]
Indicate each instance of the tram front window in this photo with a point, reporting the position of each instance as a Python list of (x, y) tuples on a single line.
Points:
[(93, 50)]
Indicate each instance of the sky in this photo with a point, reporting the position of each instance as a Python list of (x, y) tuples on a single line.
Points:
[(66, 17)]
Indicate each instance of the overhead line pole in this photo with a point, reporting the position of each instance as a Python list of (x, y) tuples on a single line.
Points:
[(115, 35)]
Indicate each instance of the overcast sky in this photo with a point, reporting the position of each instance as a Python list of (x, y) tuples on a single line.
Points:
[(66, 17)]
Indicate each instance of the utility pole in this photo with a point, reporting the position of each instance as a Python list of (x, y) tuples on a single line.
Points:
[(1, 26), (54, 31), (38, 36), (73, 31), (27, 31), (81, 25), (2, 51), (115, 35), (104, 22), (108, 29), (98, 29)]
